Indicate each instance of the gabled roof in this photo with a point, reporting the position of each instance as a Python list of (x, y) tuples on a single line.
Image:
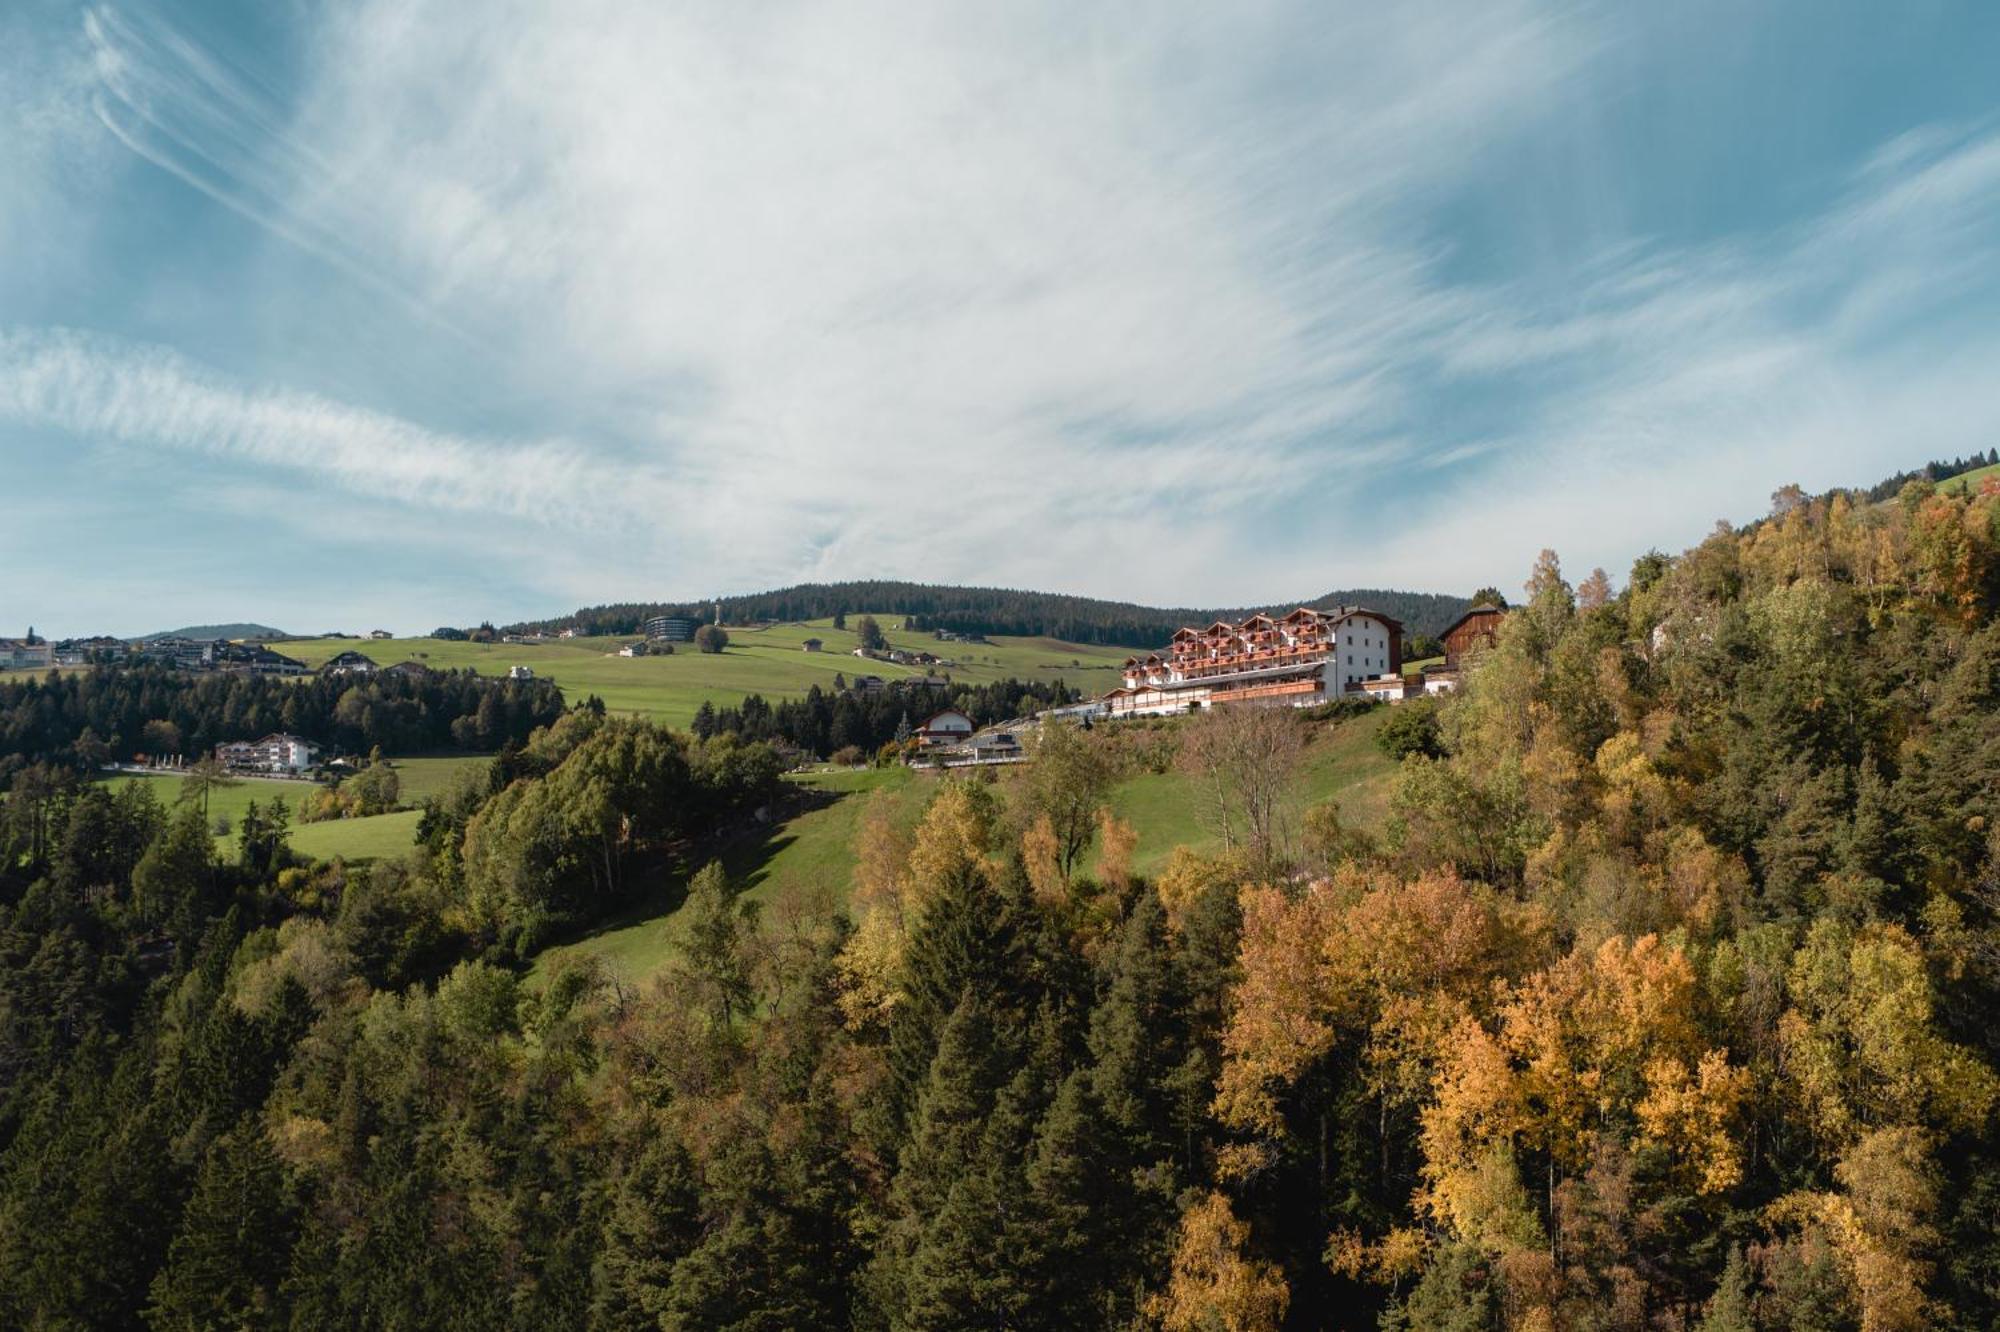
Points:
[(947, 712), (1474, 613)]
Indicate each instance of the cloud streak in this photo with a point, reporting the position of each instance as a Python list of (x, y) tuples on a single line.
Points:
[(1153, 301)]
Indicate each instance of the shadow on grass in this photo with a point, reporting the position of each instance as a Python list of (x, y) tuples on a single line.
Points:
[(746, 853)]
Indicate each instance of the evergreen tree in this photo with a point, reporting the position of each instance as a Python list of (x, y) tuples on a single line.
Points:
[(229, 1257)]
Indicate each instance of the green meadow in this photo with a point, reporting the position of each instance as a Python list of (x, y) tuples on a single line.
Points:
[(355, 840), (813, 850), (768, 661)]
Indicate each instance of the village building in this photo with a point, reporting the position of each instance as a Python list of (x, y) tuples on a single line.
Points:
[(520, 673), (633, 650), (349, 662), (997, 747), (254, 659), (1300, 659), (1391, 688), (415, 670), (950, 727), (1470, 634), (380, 633), (277, 753), (19, 655), (672, 628), (811, 645), (868, 684)]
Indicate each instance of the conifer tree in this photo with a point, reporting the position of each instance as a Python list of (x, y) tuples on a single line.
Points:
[(229, 1257)]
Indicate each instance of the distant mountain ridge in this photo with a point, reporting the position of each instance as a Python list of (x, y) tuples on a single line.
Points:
[(993, 610), (220, 631)]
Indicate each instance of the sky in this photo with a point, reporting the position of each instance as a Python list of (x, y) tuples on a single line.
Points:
[(399, 313)]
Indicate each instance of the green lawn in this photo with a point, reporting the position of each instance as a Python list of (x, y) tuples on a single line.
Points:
[(811, 850), (432, 775), (383, 837), (352, 839), (767, 661)]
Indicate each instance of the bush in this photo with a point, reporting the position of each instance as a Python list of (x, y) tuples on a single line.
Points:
[(711, 638), (1412, 729)]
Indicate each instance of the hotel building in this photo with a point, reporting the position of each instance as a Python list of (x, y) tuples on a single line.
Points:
[(1296, 660)]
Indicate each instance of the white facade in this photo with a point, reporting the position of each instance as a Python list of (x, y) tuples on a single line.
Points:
[(273, 753), (18, 656)]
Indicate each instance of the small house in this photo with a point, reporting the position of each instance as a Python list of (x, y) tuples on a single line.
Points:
[(520, 673), (811, 645), (950, 727)]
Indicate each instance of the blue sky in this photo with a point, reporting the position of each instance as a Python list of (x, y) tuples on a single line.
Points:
[(408, 312)]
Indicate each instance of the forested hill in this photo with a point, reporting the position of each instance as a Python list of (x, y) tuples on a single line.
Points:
[(995, 610), (202, 632)]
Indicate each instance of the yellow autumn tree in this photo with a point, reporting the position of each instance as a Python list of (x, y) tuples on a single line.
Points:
[(1215, 1285)]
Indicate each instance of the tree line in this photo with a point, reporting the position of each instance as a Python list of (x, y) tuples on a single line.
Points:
[(827, 722), (987, 610), (82, 718)]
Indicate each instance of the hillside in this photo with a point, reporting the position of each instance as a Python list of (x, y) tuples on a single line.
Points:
[(767, 661), (813, 852), (992, 610), (230, 631)]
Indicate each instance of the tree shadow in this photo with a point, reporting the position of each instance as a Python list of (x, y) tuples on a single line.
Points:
[(745, 850)]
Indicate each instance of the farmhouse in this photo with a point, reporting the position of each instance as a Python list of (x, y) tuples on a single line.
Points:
[(249, 659), (349, 663), (520, 673), (380, 633), (1297, 660), (277, 753), (950, 727), (1469, 635), (811, 645)]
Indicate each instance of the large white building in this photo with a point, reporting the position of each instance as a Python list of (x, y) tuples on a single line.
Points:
[(1297, 660), (274, 753)]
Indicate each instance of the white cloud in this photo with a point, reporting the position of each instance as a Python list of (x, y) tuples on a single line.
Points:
[(1035, 295)]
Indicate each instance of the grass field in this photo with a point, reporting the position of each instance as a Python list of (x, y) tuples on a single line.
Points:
[(383, 837), (1969, 482), (811, 850), (354, 840), (422, 777), (815, 849), (767, 661), (1342, 762)]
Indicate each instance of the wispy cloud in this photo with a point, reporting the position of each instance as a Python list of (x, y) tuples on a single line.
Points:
[(151, 397), (1164, 301)]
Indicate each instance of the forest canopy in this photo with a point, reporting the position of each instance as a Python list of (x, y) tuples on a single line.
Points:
[(1661, 999)]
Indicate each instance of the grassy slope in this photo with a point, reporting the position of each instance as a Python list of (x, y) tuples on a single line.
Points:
[(1341, 762), (815, 849), (760, 661), (1969, 481), (353, 839), (811, 851), (435, 775)]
